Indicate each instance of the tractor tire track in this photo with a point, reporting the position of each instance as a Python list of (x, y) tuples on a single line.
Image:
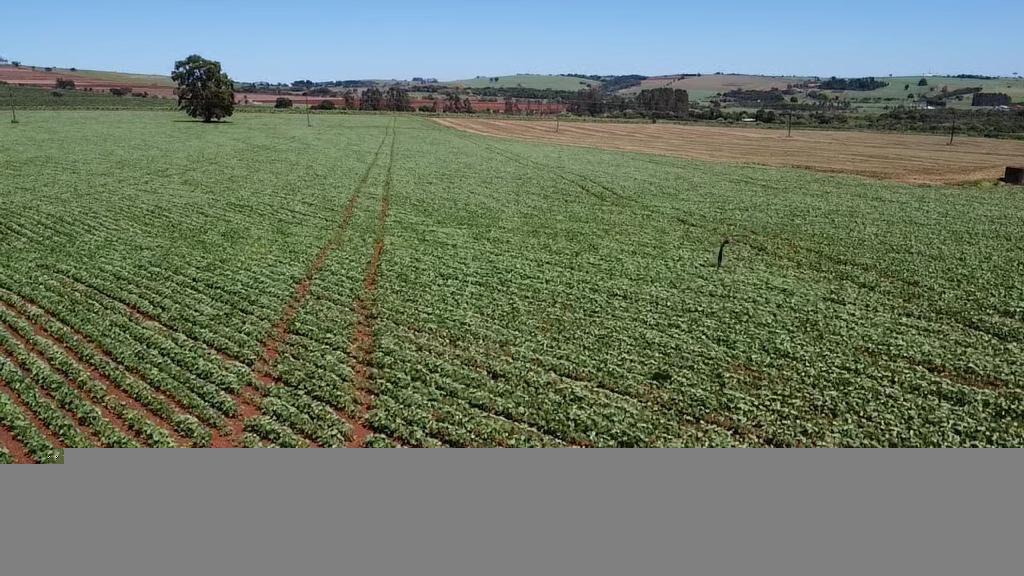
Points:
[(362, 347), (250, 396)]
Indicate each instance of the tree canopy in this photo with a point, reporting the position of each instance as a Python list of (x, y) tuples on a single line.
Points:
[(204, 90)]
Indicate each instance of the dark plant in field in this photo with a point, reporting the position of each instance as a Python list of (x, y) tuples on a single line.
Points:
[(721, 251), (204, 90), (283, 103)]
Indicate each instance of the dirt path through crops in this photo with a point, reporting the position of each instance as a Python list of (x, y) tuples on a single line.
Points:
[(249, 399), (914, 159), (362, 346)]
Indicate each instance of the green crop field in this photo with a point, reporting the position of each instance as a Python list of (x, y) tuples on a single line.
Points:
[(45, 98), (532, 81), (896, 92), (385, 281)]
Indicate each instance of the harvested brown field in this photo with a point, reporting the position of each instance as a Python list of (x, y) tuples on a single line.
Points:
[(84, 80), (916, 159)]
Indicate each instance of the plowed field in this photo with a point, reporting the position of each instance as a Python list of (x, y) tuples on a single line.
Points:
[(918, 159)]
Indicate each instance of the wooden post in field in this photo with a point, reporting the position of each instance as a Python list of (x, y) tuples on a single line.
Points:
[(556, 123), (14, 117), (952, 130), (309, 124), (789, 126)]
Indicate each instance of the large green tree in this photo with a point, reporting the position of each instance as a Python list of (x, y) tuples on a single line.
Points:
[(204, 90)]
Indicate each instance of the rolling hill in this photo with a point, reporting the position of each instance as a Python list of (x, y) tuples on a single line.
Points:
[(534, 81)]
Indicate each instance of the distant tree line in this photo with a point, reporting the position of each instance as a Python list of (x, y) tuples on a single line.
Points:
[(525, 93), (611, 83), (616, 83), (666, 101), (655, 103), (990, 123), (855, 84), (394, 99), (751, 97), (991, 99), (454, 104)]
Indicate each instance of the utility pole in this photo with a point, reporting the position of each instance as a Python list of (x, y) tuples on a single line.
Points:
[(14, 117)]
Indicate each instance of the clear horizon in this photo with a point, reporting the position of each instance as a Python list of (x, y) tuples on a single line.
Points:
[(461, 40)]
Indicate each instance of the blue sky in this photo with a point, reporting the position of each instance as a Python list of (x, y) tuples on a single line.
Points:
[(454, 39)]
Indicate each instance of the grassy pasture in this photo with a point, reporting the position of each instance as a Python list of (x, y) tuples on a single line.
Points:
[(381, 281), (534, 81), (1012, 86)]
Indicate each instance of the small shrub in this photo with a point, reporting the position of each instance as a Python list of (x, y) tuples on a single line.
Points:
[(57, 94), (324, 105), (425, 108), (64, 84), (283, 103)]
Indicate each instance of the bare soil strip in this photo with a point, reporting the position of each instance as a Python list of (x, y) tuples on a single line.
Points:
[(19, 454), (362, 348), (109, 416), (31, 416), (99, 351), (907, 158), (86, 432), (97, 376)]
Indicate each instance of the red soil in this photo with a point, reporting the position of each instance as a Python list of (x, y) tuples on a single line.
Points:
[(31, 417), (362, 347), (86, 432), (27, 77), (109, 416), (15, 448), (100, 378)]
